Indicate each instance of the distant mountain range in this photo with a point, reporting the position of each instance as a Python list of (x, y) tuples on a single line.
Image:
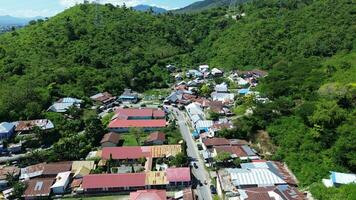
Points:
[(148, 7), (8, 20)]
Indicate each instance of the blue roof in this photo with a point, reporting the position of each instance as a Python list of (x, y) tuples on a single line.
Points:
[(195, 133), (6, 127), (244, 91)]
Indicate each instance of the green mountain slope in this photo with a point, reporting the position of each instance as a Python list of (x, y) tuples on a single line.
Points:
[(272, 30), (80, 52)]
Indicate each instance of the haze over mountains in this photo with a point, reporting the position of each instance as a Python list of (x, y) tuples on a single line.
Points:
[(8, 20), (155, 9)]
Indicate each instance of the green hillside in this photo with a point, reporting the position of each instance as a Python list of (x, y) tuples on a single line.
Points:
[(208, 4), (79, 53), (274, 30)]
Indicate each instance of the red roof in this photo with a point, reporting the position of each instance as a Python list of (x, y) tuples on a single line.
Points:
[(139, 112), (237, 150), (216, 142), (148, 195), (156, 136), (40, 187), (96, 181), (120, 153), (178, 174), (154, 123)]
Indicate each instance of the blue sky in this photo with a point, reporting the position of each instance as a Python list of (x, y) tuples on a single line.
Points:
[(47, 8)]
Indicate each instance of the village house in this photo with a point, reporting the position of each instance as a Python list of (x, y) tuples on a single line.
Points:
[(156, 138), (32, 171), (25, 126), (61, 183), (4, 172), (52, 169), (6, 130), (146, 118), (179, 176), (337, 179), (283, 192), (223, 97), (194, 73), (148, 195), (110, 140), (128, 182), (39, 188), (178, 77), (128, 96), (136, 152), (203, 68), (217, 72), (221, 88), (104, 98), (243, 152), (62, 105), (247, 178), (82, 168), (171, 68)]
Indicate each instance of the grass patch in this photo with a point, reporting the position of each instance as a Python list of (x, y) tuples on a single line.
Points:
[(345, 65), (240, 110), (129, 140)]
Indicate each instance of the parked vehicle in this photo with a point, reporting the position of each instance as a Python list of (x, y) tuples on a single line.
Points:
[(195, 165), (200, 147), (213, 189)]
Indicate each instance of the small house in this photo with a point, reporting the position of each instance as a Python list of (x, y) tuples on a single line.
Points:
[(223, 97), (61, 184), (194, 73), (104, 98), (156, 138), (337, 179), (23, 126), (179, 176), (171, 68), (82, 168), (110, 140), (4, 171), (217, 72), (38, 188), (128, 96), (6, 130), (203, 68), (221, 88), (62, 105), (148, 195), (178, 77)]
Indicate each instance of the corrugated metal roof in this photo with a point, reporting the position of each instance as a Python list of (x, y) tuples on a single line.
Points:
[(6, 127), (204, 124), (61, 179), (258, 176), (343, 178)]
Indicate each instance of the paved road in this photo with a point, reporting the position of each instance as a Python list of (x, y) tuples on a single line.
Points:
[(200, 173)]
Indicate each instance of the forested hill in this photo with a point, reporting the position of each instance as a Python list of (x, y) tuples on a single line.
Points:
[(81, 52), (273, 30)]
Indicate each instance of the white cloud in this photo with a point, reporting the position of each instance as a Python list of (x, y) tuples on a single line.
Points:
[(69, 3)]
